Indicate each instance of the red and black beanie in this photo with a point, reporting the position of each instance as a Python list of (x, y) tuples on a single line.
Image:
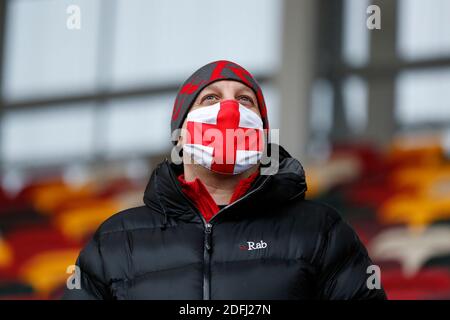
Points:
[(214, 71)]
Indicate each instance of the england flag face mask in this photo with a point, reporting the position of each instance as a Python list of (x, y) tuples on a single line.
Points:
[(225, 137)]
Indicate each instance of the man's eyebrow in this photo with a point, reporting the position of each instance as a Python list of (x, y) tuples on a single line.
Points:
[(206, 90), (212, 87), (246, 89)]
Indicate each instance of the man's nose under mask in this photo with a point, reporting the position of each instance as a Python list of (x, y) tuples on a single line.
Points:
[(225, 137)]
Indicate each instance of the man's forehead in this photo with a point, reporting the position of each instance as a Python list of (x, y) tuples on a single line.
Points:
[(218, 85)]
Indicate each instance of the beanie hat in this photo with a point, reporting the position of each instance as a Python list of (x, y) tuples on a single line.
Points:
[(212, 72)]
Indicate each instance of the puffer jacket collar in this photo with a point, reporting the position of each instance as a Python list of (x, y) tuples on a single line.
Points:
[(163, 192)]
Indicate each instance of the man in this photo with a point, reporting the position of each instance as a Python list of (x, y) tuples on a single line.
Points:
[(216, 227)]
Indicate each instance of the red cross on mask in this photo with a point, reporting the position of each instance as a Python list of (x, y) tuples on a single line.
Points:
[(226, 137)]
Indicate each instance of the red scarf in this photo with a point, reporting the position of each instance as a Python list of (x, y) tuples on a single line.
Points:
[(197, 192)]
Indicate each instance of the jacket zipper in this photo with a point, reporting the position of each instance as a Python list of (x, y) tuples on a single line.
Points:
[(207, 262), (207, 248)]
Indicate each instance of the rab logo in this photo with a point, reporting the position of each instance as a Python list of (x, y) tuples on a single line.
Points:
[(250, 245)]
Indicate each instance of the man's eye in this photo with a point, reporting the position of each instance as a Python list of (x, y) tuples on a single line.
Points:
[(210, 97), (246, 99)]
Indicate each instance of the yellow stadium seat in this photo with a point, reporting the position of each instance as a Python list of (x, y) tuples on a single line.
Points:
[(424, 149), (48, 198), (428, 181), (414, 211), (77, 223), (6, 256), (47, 271), (321, 177)]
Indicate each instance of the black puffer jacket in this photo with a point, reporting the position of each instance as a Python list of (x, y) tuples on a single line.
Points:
[(270, 244)]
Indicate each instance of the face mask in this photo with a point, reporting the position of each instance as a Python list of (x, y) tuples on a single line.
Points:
[(226, 137)]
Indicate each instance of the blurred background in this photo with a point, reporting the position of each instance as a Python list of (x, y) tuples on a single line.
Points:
[(85, 113)]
